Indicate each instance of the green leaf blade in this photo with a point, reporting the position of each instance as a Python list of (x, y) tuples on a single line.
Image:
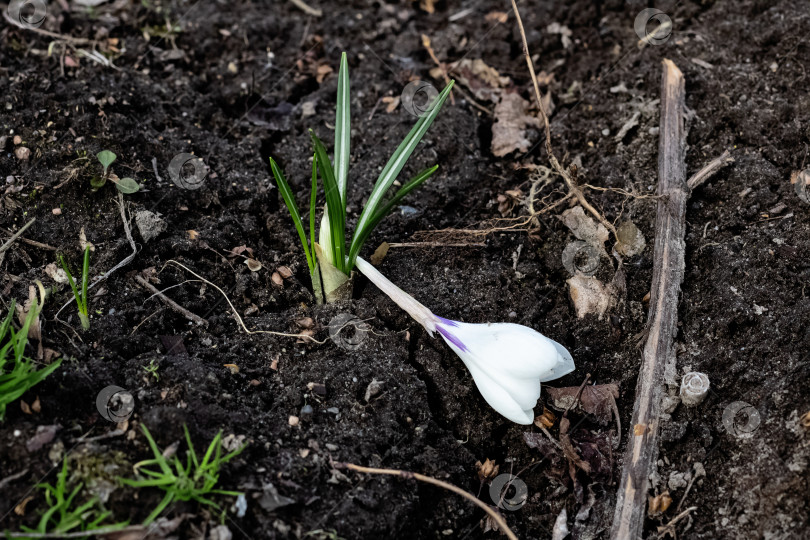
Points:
[(336, 212), (392, 170), (289, 200), (343, 129), (383, 211)]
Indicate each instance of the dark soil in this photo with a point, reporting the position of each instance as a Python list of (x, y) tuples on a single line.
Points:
[(230, 85)]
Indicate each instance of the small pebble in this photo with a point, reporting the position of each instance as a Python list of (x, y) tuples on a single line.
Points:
[(17, 140), (57, 211), (277, 280), (306, 413), (293, 421), (285, 272), (22, 153)]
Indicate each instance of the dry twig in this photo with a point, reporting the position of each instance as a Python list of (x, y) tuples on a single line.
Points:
[(196, 319), (496, 517), (236, 313), (669, 256)]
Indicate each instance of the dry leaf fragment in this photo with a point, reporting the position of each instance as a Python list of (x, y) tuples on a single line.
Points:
[(585, 227), (322, 72), (485, 82), (192, 234), (658, 504), (597, 399), (83, 243), (511, 122), (306, 322), (427, 6), (591, 296), (496, 16), (20, 508), (380, 253), (805, 420), (545, 420), (392, 102), (26, 409), (486, 470), (233, 368)]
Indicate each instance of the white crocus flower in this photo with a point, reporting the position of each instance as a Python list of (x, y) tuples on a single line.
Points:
[(507, 361)]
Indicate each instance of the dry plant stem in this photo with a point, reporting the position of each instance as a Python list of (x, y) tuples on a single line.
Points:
[(196, 319), (59, 37), (496, 517), (670, 228), (569, 181), (669, 528), (16, 235), (712, 167), (236, 313), (300, 4)]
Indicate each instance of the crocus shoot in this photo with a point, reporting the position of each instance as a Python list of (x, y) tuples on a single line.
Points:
[(80, 296), (507, 361), (330, 260)]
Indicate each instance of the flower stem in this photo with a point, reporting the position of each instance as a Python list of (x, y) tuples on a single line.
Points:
[(420, 313)]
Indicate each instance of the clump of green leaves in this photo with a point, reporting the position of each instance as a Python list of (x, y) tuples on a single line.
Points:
[(80, 295), (152, 368), (124, 185), (64, 515), (331, 255), (194, 481), (17, 371)]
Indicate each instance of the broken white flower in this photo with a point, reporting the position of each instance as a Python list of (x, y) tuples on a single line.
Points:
[(507, 361)]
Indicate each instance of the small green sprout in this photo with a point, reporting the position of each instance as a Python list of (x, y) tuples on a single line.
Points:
[(331, 256), (80, 296), (124, 185), (194, 481), (17, 373), (64, 516), (152, 369)]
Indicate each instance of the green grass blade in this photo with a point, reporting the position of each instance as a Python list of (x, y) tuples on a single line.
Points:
[(70, 280), (342, 129), (334, 205), (85, 278), (289, 200), (383, 211), (393, 168), (313, 198)]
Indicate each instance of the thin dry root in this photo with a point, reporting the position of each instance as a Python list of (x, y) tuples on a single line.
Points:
[(496, 517), (569, 180)]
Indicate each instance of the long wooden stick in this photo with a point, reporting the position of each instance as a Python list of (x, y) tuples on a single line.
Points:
[(670, 228)]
